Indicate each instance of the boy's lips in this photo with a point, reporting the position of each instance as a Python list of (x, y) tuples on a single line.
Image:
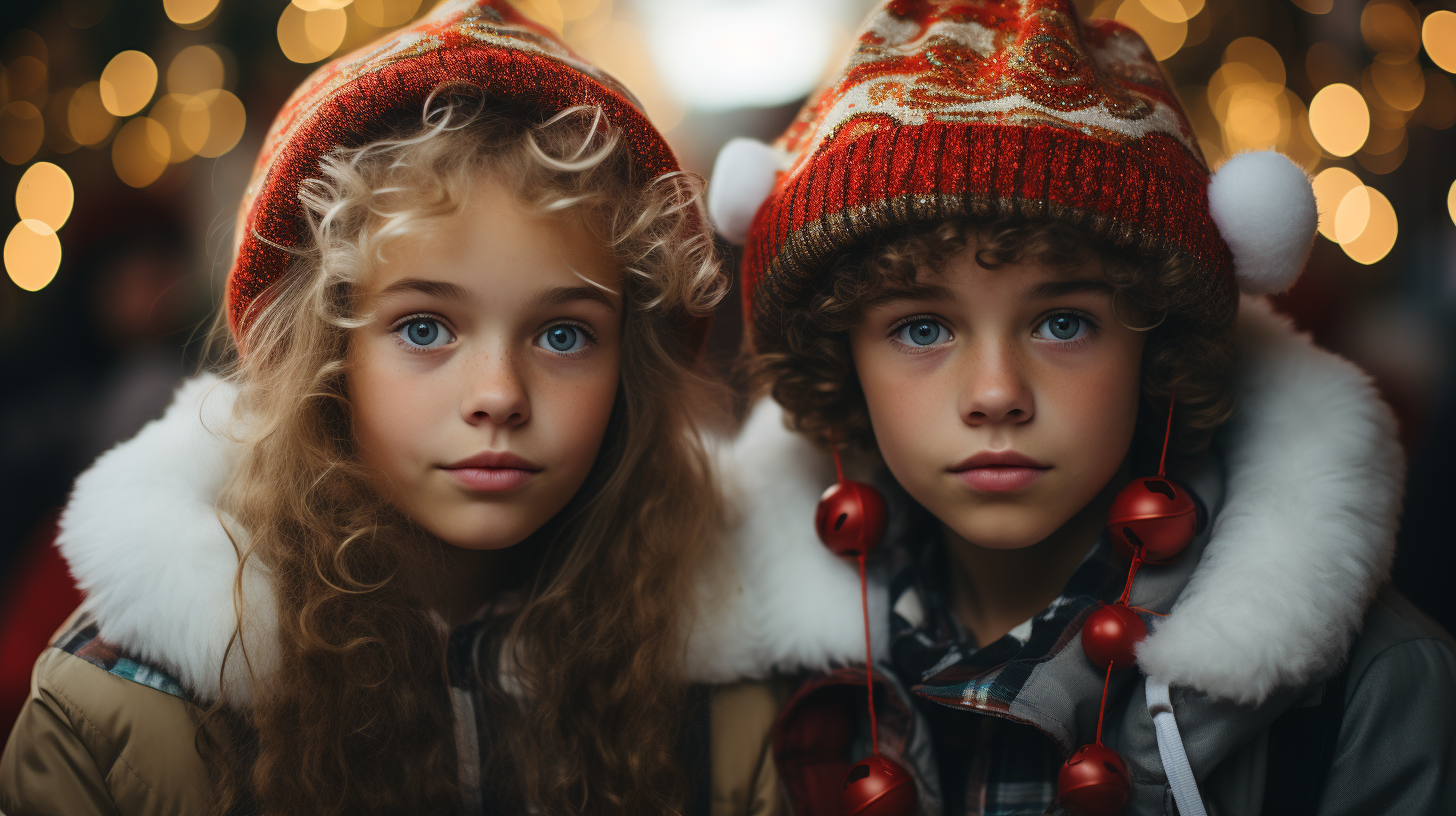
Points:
[(492, 471), (999, 471)]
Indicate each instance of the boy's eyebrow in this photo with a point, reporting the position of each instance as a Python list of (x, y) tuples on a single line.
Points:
[(918, 291), (566, 294), (440, 289), (1054, 289)]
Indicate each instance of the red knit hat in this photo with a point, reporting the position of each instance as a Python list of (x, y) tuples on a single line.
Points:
[(486, 43), (979, 108)]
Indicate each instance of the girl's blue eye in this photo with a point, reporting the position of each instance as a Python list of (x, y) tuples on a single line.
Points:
[(563, 338), (1064, 327), (424, 333), (922, 333)]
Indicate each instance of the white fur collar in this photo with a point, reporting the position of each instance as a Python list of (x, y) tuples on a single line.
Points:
[(1314, 483), (1305, 537)]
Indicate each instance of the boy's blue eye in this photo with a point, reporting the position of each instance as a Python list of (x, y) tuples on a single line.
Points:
[(1064, 327), (425, 332), (563, 338), (922, 333)]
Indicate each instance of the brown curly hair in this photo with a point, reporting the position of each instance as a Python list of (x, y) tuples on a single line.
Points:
[(808, 368)]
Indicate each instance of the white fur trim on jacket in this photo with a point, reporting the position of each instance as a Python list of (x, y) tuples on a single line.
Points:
[(1305, 537), (1315, 480), (145, 543)]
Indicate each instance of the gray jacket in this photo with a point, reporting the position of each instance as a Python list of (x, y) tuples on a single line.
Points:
[(1285, 589)]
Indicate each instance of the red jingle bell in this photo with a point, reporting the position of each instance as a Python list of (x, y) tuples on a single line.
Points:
[(1094, 782), (877, 786), (1153, 513), (850, 518), (1109, 635)]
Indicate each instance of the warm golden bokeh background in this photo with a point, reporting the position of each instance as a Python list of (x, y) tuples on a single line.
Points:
[(128, 129)]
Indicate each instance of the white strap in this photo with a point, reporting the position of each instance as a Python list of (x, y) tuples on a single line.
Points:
[(1170, 748)]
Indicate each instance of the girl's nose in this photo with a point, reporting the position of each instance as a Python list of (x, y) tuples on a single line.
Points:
[(497, 393)]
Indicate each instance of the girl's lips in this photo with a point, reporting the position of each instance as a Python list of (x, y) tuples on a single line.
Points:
[(493, 472), (490, 479), (999, 478)]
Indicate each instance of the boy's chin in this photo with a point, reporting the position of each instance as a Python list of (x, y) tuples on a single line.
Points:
[(999, 528)]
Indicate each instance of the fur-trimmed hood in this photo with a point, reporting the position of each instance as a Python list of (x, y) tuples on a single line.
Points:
[(1304, 539)]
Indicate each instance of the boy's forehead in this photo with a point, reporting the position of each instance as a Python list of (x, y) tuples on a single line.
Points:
[(1032, 279)]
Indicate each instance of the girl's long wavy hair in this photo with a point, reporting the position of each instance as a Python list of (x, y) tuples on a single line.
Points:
[(585, 714)]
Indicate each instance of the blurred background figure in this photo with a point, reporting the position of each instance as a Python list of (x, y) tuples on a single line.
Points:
[(128, 130)]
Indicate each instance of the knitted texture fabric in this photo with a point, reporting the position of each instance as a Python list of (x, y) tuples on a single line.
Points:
[(482, 43), (954, 109)]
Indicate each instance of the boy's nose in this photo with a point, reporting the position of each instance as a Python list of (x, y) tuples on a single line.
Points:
[(497, 393), (995, 390)]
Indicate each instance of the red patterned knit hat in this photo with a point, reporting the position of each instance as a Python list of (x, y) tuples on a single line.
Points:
[(485, 43), (978, 108)]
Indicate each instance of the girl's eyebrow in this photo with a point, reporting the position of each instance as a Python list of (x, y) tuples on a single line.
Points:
[(1054, 289), (558, 295), (434, 288)]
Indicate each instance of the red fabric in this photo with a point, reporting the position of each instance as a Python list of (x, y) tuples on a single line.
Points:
[(952, 109), (815, 731), (487, 44), (36, 599)]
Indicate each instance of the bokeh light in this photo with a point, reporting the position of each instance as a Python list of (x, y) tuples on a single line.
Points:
[(719, 55), (32, 255), (1256, 54), (57, 127), (1339, 119), (1439, 35), (45, 194), (195, 69), (26, 78), (226, 121), (189, 12), (187, 121), (141, 151), (88, 119), (1174, 11), (546, 12), (1352, 214), (128, 82), (1451, 202), (1377, 234), (1315, 6), (386, 13), (321, 5), (1330, 187), (309, 36), (1164, 38), (1400, 84), (1390, 27), (22, 130)]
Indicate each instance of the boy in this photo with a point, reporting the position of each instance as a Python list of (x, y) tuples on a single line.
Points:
[(990, 260)]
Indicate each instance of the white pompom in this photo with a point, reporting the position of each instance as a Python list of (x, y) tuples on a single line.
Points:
[(743, 176), (1264, 207)]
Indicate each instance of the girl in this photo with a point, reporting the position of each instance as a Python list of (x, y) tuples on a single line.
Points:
[(429, 545), (989, 259)]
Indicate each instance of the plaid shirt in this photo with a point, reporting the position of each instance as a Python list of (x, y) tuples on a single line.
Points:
[(987, 765)]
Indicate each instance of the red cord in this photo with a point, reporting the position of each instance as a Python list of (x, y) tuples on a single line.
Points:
[(1166, 434), (864, 597), (1103, 708), (838, 468), (1137, 561)]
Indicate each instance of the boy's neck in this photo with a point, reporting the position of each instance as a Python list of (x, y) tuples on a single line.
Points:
[(993, 591)]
